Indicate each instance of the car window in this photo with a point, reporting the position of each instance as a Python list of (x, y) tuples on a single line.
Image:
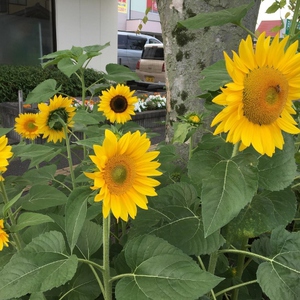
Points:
[(122, 41), (153, 53), (136, 43), (153, 41)]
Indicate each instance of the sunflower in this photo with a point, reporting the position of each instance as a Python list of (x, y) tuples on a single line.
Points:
[(26, 127), (118, 103), (49, 119), (258, 103), (122, 177), (5, 154), (3, 236)]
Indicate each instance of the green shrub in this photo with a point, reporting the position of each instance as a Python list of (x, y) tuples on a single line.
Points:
[(26, 78)]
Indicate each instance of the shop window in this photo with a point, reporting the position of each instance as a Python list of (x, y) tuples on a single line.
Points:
[(26, 30)]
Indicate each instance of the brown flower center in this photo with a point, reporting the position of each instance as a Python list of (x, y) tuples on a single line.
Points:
[(118, 104)]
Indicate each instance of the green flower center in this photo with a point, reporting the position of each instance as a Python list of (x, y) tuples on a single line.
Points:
[(118, 104), (119, 174), (265, 95), (57, 118)]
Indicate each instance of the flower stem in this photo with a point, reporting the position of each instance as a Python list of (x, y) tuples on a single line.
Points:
[(235, 150), (106, 272), (69, 155), (294, 20), (235, 287), (16, 237)]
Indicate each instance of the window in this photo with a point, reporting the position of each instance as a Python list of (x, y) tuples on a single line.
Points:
[(26, 31), (136, 43)]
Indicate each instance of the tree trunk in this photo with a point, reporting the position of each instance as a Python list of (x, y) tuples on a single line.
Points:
[(188, 52)]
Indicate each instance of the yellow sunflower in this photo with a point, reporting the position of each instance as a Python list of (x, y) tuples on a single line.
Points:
[(3, 236), (123, 178), (26, 127), (5, 154), (117, 103), (49, 119), (258, 103)]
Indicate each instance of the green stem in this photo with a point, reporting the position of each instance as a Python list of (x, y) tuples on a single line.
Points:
[(235, 150), (91, 263), (15, 236), (106, 273), (247, 253), (240, 268), (69, 155), (191, 147), (235, 287), (294, 20), (247, 30)]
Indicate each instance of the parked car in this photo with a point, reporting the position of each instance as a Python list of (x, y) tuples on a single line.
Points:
[(151, 67), (130, 47)]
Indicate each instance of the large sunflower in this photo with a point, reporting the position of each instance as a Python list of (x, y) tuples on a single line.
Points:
[(118, 103), (5, 154), (258, 103), (3, 236), (124, 167), (50, 117), (26, 127)]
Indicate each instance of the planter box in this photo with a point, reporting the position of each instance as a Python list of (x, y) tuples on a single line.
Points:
[(153, 120)]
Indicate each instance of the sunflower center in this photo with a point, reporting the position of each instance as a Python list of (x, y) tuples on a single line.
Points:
[(30, 126), (265, 95), (56, 117), (118, 104), (119, 174)]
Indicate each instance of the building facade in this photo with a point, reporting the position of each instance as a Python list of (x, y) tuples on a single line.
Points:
[(30, 29)]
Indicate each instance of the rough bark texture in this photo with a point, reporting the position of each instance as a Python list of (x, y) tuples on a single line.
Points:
[(187, 53)]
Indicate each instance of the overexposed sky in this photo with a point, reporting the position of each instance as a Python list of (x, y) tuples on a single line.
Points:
[(262, 16)]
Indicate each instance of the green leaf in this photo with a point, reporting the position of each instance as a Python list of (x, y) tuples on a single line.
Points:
[(40, 266), (161, 271), (119, 73), (265, 212), (43, 92), (68, 66), (30, 219), (214, 77), (90, 239), (37, 296), (10, 203), (180, 132), (42, 175), (75, 214), (218, 18), (273, 8), (83, 285), (94, 50), (280, 277), (201, 164), (173, 216), (4, 131), (36, 153), (230, 185), (278, 172), (83, 117), (43, 196)]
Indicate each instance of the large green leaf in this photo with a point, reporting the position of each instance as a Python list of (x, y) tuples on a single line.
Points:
[(218, 18), (43, 92), (230, 185), (174, 216), (68, 66), (90, 239), (42, 175), (75, 214), (214, 77), (119, 73), (40, 266), (279, 171), (83, 285), (43, 196), (30, 219), (161, 271), (265, 212), (279, 278)]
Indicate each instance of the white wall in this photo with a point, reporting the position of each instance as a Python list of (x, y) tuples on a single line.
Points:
[(88, 22)]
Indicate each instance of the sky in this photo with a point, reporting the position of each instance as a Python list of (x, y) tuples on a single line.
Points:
[(262, 16)]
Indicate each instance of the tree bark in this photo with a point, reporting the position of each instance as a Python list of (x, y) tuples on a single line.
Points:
[(188, 52)]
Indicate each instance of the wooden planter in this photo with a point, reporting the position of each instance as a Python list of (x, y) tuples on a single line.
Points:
[(153, 120)]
